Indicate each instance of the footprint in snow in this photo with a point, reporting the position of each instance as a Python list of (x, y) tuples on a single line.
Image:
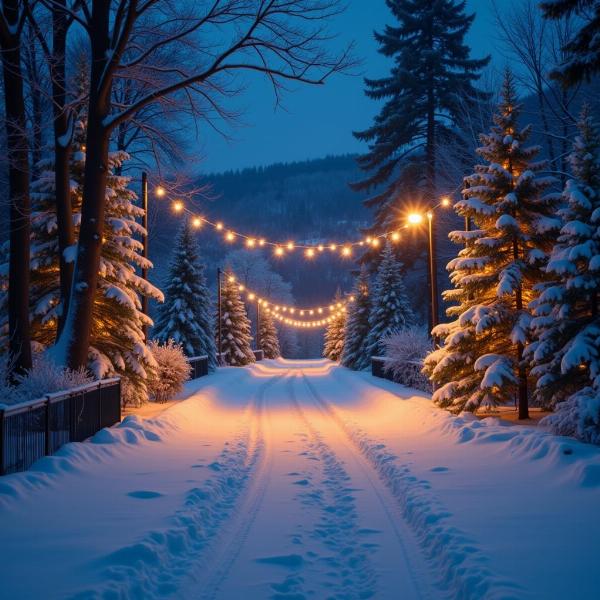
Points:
[(302, 482), (144, 494), (215, 466), (439, 469), (292, 561)]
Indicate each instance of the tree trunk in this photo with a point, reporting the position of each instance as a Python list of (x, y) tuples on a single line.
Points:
[(523, 399), (63, 137), (18, 185), (73, 343)]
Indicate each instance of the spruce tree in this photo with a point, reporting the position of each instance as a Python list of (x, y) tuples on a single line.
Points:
[(583, 49), (390, 308), (186, 314), (335, 332), (429, 87), (117, 342), (481, 361), (355, 354), (236, 331), (268, 336), (566, 352)]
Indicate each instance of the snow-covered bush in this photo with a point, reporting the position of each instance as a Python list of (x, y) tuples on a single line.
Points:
[(45, 377), (404, 353), (578, 416), (172, 371)]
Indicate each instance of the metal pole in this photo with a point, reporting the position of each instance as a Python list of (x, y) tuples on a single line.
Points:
[(145, 243), (258, 340), (219, 330), (433, 273)]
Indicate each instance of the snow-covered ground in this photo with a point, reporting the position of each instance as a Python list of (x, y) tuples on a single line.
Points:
[(301, 479)]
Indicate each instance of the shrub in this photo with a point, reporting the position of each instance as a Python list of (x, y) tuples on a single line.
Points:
[(578, 416), (172, 370), (405, 352)]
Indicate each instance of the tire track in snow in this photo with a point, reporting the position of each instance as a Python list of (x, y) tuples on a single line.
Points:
[(337, 529), (461, 566), (225, 555), (154, 566), (389, 508)]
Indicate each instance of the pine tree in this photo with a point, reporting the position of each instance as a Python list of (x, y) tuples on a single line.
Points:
[(481, 362), (236, 331), (390, 310), (335, 332), (583, 49), (269, 338), (186, 315), (426, 93), (566, 351), (355, 354), (117, 342)]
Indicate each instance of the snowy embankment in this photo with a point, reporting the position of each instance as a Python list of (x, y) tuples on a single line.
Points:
[(301, 479)]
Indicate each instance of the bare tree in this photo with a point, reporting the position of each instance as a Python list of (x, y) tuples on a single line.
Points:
[(538, 46), (12, 21), (279, 39)]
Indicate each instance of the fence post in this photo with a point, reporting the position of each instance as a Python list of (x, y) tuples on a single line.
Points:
[(2, 467), (100, 400), (47, 449), (119, 402)]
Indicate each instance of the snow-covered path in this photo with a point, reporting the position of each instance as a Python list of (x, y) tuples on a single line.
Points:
[(300, 479)]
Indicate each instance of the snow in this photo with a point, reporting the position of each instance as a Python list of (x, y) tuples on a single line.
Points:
[(291, 479)]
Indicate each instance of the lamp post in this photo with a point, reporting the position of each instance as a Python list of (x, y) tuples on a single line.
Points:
[(258, 340), (220, 317), (433, 273), (145, 245)]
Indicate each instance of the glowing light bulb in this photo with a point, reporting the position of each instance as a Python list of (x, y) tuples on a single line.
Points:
[(250, 242), (311, 312), (231, 279), (346, 251), (160, 190), (292, 310), (197, 222), (251, 297), (395, 236), (446, 201), (310, 253), (320, 311), (320, 248), (290, 245), (262, 242), (279, 251), (352, 298), (375, 242), (415, 218), (332, 247), (241, 288), (178, 206), (230, 236), (219, 226), (301, 313), (430, 214)]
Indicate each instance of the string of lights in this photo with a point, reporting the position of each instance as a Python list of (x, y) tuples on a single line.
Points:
[(280, 249), (287, 314)]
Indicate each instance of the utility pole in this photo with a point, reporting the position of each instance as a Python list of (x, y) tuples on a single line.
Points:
[(220, 317), (145, 244)]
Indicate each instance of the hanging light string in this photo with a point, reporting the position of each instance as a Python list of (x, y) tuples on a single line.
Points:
[(288, 314), (345, 249)]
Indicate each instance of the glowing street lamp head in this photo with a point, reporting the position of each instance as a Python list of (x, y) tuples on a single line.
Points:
[(178, 206), (415, 218)]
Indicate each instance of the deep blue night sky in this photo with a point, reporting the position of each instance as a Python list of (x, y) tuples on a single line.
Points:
[(316, 121)]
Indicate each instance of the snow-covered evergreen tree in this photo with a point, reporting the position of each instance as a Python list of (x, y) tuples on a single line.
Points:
[(426, 93), (336, 332), (186, 314), (117, 344), (269, 338), (481, 360), (566, 352), (355, 354), (390, 307), (236, 331)]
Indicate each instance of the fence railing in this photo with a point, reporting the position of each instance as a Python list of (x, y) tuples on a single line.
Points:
[(199, 366), (34, 429)]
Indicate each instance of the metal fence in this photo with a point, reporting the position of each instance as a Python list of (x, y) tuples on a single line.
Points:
[(199, 366), (31, 430)]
